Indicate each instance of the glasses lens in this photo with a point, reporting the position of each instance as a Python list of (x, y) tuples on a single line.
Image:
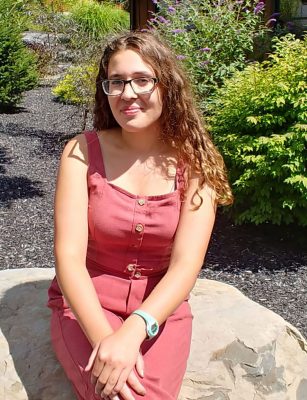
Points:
[(113, 87), (142, 85)]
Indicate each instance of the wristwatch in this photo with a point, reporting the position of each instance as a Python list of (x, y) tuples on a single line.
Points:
[(152, 326)]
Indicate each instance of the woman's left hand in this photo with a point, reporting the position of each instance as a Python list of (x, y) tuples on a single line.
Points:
[(112, 361)]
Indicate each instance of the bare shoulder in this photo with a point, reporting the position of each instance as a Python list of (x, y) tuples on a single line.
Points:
[(76, 149)]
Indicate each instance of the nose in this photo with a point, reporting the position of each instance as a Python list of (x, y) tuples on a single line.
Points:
[(128, 92)]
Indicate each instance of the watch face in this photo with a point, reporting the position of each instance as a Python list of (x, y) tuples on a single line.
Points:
[(154, 329)]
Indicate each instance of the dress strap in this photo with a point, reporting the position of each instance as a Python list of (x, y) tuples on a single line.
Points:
[(95, 159)]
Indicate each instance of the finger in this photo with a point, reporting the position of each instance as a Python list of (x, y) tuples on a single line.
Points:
[(139, 365), (135, 384), (126, 393), (111, 382), (103, 378), (92, 358), (122, 379), (96, 371), (115, 397)]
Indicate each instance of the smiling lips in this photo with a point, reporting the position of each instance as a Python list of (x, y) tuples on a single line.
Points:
[(130, 110)]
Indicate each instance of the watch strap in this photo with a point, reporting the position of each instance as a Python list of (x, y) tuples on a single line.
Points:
[(152, 326)]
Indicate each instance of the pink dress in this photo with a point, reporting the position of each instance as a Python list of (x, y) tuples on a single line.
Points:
[(129, 248)]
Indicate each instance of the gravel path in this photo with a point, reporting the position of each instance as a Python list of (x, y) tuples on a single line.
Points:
[(267, 263)]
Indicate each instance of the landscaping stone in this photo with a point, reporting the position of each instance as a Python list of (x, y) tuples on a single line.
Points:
[(240, 350)]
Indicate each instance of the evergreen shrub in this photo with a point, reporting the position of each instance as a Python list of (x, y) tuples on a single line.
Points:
[(259, 124), (17, 64)]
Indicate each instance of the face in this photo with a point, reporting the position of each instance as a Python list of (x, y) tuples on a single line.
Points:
[(134, 112)]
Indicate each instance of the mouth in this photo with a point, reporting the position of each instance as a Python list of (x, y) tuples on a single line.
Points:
[(130, 110)]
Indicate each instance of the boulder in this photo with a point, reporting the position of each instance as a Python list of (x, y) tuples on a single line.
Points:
[(240, 350)]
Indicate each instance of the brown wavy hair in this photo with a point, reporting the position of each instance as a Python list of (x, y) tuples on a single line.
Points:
[(182, 125)]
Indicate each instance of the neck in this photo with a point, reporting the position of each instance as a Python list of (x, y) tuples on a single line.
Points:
[(142, 142)]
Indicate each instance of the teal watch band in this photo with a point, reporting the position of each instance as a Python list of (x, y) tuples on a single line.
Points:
[(152, 326)]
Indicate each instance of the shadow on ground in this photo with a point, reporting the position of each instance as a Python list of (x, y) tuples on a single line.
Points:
[(18, 187)]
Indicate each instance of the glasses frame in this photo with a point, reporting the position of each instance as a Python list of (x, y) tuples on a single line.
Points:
[(126, 81)]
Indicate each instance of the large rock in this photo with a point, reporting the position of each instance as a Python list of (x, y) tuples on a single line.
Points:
[(240, 350)]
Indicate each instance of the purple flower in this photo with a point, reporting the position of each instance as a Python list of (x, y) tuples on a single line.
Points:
[(271, 22), (181, 57), (163, 20), (259, 7), (176, 31), (239, 1), (155, 1), (154, 20), (275, 15), (290, 25), (205, 49), (171, 10), (204, 63)]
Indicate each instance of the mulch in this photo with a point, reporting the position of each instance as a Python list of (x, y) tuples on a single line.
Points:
[(267, 263)]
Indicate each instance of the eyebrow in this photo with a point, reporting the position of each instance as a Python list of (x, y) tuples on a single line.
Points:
[(138, 73)]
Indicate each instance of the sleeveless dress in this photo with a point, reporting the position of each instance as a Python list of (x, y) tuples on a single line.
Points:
[(129, 246)]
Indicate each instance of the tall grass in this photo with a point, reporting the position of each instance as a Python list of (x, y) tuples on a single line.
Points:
[(97, 20)]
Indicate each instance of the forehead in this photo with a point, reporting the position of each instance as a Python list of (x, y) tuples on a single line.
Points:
[(127, 63)]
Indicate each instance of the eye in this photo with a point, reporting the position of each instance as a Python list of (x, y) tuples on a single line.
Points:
[(116, 83), (142, 81)]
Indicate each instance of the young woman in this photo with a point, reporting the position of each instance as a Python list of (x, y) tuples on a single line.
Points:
[(134, 209)]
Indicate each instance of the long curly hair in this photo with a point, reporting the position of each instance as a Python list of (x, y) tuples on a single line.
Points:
[(182, 125)]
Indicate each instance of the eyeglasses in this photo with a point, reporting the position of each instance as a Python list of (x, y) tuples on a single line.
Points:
[(115, 87)]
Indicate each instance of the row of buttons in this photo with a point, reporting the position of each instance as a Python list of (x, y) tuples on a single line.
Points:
[(138, 228)]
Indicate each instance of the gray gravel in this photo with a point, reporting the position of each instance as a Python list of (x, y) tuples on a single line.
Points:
[(267, 263)]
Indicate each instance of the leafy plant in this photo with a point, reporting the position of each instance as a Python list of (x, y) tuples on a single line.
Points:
[(212, 38), (17, 64), (77, 86), (259, 124)]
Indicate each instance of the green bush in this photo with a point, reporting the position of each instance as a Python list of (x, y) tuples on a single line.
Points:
[(78, 86), (259, 124), (212, 38), (17, 64), (97, 20)]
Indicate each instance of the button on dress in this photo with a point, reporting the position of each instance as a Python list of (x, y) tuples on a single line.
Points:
[(130, 241)]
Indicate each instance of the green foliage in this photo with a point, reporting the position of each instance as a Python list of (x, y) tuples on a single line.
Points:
[(212, 38), (97, 20), (259, 124), (78, 86), (17, 64)]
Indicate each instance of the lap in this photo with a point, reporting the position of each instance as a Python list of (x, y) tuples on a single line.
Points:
[(165, 357)]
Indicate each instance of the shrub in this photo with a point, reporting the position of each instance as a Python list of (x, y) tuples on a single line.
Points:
[(212, 38), (78, 86), (259, 124), (17, 65)]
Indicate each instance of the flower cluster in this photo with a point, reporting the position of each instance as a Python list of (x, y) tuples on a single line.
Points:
[(209, 53)]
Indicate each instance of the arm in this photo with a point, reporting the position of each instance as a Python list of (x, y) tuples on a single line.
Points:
[(190, 245), (71, 238), (70, 242)]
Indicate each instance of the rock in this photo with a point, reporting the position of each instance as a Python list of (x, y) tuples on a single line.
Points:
[(240, 350)]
